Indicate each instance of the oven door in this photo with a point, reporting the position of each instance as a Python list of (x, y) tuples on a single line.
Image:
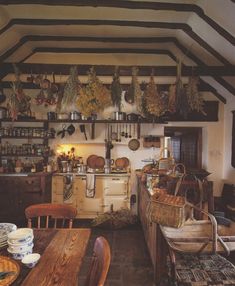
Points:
[(115, 186)]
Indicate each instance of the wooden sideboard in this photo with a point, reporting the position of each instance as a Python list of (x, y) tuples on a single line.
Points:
[(152, 234), (18, 192)]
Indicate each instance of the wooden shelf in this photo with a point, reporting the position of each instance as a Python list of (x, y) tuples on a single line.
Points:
[(25, 137), (17, 155)]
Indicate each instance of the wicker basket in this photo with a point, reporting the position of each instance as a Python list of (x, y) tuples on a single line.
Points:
[(169, 210), (178, 170)]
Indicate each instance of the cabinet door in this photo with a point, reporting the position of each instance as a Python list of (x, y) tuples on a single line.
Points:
[(8, 200), (114, 186), (88, 206)]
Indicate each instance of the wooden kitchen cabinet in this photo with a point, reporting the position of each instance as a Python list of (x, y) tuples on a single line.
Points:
[(18, 192)]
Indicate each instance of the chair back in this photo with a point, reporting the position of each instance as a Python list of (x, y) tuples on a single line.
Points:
[(46, 214), (100, 263)]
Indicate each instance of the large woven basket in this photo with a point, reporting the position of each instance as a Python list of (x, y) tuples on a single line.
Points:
[(169, 210)]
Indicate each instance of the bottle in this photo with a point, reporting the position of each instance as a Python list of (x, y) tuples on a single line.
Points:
[(33, 168), (49, 168)]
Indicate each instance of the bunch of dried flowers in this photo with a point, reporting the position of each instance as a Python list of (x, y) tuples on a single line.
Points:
[(94, 97)]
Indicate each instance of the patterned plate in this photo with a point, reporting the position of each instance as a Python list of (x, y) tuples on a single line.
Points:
[(6, 228)]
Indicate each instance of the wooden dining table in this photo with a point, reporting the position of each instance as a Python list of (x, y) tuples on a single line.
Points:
[(62, 252)]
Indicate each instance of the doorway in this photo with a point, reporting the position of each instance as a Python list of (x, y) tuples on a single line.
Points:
[(185, 144)]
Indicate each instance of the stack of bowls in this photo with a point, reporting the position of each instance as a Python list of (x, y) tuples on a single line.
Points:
[(5, 229), (20, 243)]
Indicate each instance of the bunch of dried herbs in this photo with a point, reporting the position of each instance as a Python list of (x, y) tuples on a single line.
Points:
[(115, 219), (18, 102), (94, 97), (195, 98), (134, 93), (71, 89), (116, 90), (153, 102), (178, 101)]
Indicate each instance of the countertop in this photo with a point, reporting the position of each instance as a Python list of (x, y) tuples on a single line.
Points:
[(120, 174)]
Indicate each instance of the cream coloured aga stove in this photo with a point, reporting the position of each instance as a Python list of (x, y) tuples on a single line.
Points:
[(111, 191)]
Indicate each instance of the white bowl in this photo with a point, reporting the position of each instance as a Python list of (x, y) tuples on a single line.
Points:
[(31, 260), (21, 235), (26, 243), (20, 255), (21, 249)]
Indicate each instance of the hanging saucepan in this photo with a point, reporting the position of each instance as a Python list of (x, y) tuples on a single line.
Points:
[(132, 117), (134, 144), (71, 129)]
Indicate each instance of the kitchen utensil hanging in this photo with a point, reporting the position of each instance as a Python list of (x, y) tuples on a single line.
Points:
[(62, 132), (113, 134), (134, 144), (130, 131), (83, 130)]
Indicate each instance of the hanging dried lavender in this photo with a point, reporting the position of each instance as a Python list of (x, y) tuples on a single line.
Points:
[(195, 98), (116, 90)]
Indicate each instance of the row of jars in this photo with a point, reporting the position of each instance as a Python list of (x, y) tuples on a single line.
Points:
[(24, 149), (27, 132)]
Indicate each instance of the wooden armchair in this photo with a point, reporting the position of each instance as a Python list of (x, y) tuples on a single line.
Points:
[(47, 214), (100, 263), (194, 257)]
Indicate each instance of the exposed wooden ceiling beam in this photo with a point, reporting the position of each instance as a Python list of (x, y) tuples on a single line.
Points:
[(180, 7), (40, 38), (146, 24), (108, 70)]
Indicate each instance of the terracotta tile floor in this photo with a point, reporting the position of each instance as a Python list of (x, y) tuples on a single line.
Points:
[(130, 263)]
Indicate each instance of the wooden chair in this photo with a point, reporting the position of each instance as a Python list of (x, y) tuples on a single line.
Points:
[(44, 214), (100, 263)]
